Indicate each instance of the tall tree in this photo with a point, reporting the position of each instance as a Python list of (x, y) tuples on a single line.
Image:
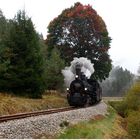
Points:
[(4, 50), (25, 71), (54, 77), (3, 23), (80, 32)]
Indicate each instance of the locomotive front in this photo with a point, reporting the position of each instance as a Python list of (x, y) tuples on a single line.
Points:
[(83, 91), (77, 92)]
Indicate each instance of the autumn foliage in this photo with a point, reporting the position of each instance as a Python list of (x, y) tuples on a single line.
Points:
[(80, 32)]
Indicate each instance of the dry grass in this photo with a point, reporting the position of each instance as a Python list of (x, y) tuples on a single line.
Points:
[(112, 98), (117, 131), (10, 104)]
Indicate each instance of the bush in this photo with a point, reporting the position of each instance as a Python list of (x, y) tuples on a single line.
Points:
[(130, 103), (132, 100), (64, 124), (133, 124), (120, 107), (130, 108)]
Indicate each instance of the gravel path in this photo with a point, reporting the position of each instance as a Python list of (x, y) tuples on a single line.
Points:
[(50, 124)]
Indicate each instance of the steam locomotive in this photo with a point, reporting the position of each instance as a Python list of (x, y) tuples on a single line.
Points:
[(83, 91)]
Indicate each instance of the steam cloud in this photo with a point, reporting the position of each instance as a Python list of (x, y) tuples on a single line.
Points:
[(69, 72)]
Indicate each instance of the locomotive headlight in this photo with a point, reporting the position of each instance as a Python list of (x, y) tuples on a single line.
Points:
[(85, 89), (67, 89), (76, 76)]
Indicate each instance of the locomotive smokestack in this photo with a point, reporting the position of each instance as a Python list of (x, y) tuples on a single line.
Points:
[(78, 69), (77, 66)]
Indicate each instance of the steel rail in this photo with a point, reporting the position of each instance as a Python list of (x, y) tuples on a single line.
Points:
[(36, 113)]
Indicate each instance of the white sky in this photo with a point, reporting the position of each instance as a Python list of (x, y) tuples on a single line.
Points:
[(122, 18)]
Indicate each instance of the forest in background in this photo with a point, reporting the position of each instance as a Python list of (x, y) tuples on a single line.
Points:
[(118, 82)]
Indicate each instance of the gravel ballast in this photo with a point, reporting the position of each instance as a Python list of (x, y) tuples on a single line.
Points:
[(50, 124)]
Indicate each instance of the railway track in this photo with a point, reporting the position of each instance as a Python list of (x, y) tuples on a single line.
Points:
[(36, 113)]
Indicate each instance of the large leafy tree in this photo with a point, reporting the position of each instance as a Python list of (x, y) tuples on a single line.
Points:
[(24, 73), (80, 32)]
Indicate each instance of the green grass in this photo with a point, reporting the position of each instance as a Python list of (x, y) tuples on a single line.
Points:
[(115, 104), (104, 127)]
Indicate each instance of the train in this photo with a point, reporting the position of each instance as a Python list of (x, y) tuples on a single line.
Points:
[(83, 91)]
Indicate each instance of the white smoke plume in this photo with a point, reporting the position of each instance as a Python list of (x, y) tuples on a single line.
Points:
[(69, 72)]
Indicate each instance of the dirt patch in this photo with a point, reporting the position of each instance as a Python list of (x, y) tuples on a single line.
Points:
[(98, 117)]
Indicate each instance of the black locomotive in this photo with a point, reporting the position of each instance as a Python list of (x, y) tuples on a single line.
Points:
[(83, 91)]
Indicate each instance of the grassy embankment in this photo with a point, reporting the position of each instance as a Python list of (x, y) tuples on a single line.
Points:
[(106, 127), (129, 108), (10, 104)]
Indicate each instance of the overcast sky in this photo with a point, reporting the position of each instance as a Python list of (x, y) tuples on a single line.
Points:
[(122, 18)]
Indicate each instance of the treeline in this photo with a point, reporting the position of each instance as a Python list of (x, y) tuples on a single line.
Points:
[(24, 66), (29, 65), (118, 82)]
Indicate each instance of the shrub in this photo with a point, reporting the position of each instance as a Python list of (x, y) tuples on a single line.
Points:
[(133, 124), (130, 108), (119, 106), (130, 103), (64, 124), (132, 100)]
